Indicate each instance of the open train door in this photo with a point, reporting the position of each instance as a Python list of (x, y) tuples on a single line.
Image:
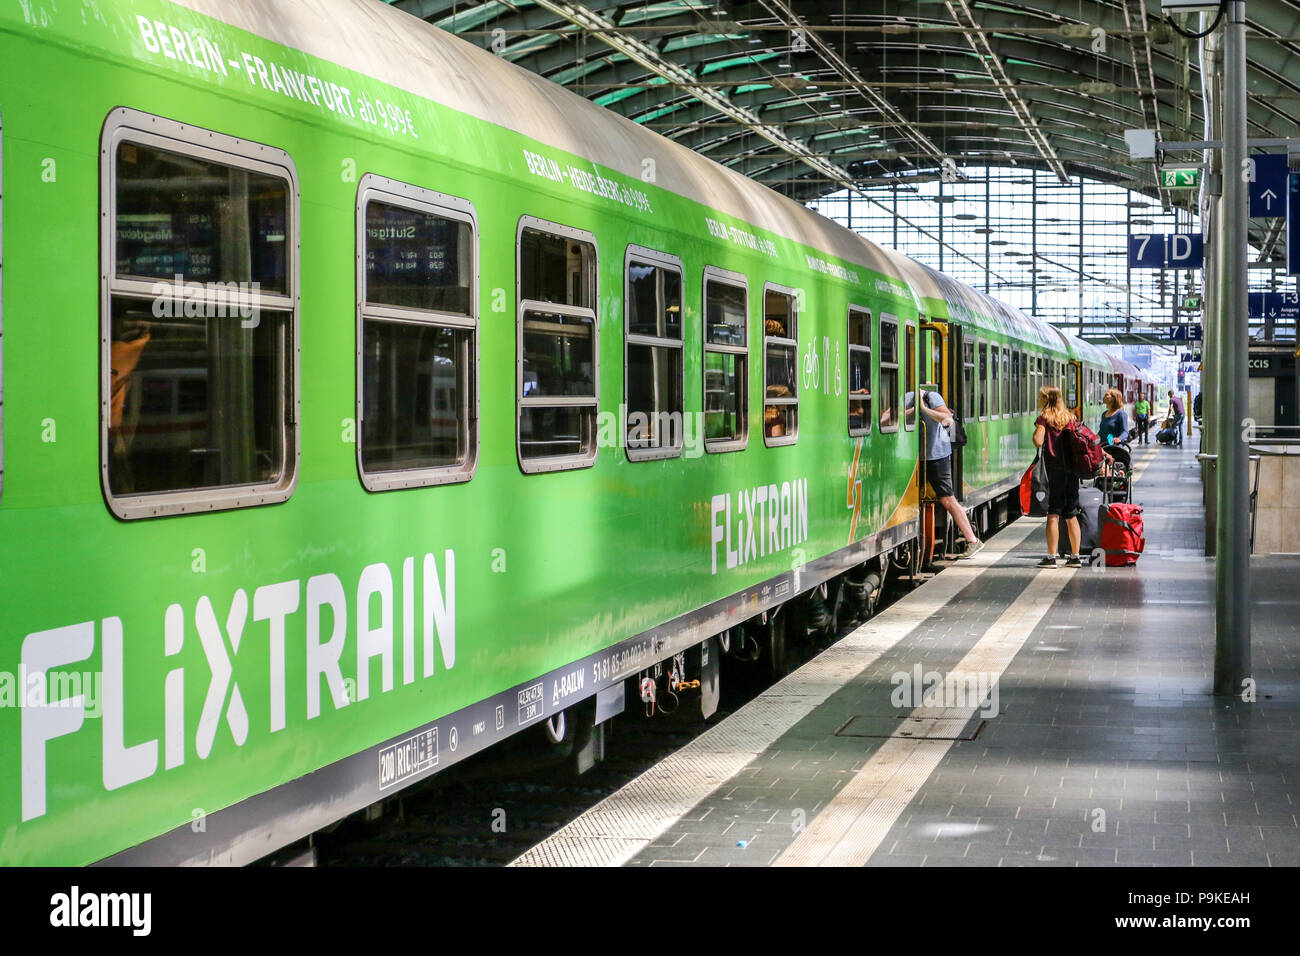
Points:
[(1074, 389), (935, 375), (941, 368)]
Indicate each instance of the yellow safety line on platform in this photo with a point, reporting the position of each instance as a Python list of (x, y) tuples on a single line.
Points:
[(1137, 472), (851, 827)]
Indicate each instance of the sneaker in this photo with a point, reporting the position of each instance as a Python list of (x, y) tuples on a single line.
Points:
[(1048, 562), (1073, 561), (972, 548), (930, 569)]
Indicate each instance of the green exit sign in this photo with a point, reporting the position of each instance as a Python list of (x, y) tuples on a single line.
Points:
[(1180, 178), (1191, 302)]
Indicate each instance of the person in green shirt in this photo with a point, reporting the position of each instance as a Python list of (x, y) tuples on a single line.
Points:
[(1142, 412)]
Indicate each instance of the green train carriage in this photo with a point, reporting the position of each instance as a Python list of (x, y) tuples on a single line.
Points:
[(323, 359)]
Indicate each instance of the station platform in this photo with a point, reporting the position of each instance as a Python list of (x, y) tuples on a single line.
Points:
[(1098, 743)]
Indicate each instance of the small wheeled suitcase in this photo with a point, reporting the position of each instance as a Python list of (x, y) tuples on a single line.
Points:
[(1091, 501), (1121, 533)]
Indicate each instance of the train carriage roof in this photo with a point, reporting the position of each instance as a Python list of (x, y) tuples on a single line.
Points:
[(393, 47), (966, 304)]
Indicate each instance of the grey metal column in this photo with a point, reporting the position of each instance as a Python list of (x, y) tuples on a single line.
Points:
[(1211, 194), (1232, 567)]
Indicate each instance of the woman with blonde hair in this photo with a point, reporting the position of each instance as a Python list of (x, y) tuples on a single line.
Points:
[(1063, 486), (1113, 426)]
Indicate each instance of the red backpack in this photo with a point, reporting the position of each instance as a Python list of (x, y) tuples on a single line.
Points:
[(1083, 449)]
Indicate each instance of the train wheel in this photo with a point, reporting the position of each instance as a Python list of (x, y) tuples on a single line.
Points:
[(559, 734)]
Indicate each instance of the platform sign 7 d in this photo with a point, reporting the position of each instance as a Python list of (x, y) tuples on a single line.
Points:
[(1178, 250)]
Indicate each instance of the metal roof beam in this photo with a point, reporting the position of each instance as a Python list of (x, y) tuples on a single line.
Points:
[(887, 109), (685, 80), (961, 12)]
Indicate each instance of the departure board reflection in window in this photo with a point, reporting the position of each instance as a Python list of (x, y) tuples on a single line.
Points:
[(206, 222), (415, 259)]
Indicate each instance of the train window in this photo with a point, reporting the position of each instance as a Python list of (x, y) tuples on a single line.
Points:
[(984, 380), (909, 377), (726, 361), (1018, 361), (199, 348), (859, 371), (417, 338), (1006, 381), (1024, 382), (968, 379), (1016, 390), (557, 373), (995, 382), (780, 365), (887, 394), (653, 354)]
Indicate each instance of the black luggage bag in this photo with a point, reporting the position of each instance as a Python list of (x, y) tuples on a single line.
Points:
[(1091, 501)]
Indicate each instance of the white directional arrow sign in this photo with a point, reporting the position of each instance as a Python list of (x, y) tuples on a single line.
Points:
[(1268, 196)]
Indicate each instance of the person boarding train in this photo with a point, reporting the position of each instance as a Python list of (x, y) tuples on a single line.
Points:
[(936, 420)]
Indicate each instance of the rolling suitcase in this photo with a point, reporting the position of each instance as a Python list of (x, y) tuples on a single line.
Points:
[(1091, 501), (1121, 533)]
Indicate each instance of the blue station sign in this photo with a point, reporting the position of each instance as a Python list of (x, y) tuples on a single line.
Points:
[(1274, 305), (1177, 250), (1184, 333), (1268, 191)]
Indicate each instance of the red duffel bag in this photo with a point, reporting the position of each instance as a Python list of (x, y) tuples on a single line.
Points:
[(1121, 534)]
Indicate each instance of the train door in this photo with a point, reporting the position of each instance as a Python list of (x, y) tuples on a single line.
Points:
[(1074, 388), (935, 375), (944, 368)]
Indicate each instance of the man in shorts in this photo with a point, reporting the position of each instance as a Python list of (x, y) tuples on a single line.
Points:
[(936, 419)]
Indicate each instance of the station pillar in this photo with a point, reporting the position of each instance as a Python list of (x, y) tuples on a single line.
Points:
[(1232, 667)]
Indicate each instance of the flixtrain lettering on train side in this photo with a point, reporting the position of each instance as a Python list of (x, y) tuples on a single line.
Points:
[(757, 522), (317, 628)]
